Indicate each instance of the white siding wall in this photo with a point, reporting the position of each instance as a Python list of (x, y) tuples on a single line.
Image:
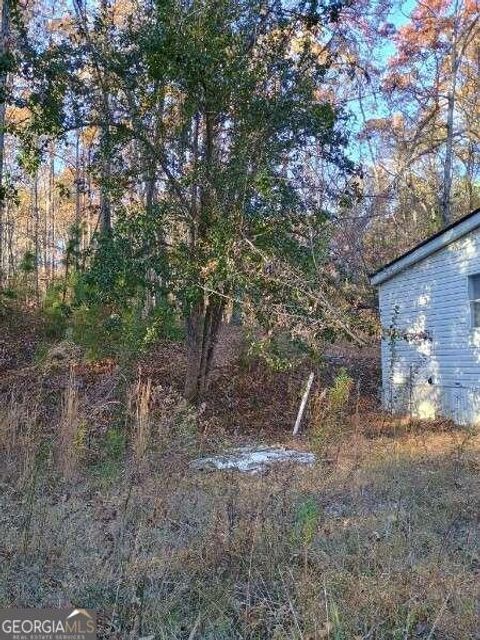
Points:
[(440, 374)]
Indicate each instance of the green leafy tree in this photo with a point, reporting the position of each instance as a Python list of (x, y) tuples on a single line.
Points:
[(208, 114), (240, 82)]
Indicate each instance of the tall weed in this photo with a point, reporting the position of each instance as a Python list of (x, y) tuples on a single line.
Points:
[(330, 420), (71, 430)]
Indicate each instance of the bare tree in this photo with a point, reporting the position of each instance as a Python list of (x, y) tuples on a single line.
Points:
[(4, 49)]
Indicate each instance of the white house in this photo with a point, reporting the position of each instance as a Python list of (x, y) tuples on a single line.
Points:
[(430, 312)]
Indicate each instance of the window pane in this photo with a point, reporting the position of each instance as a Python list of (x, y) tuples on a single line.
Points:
[(476, 314), (475, 287)]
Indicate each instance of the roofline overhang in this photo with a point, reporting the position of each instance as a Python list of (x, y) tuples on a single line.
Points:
[(431, 245)]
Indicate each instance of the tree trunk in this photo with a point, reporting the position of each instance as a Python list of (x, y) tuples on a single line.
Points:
[(51, 211), (105, 223), (470, 169), (447, 169), (202, 327), (36, 229), (105, 145), (105, 217), (203, 320), (9, 235), (78, 181), (4, 36), (445, 204)]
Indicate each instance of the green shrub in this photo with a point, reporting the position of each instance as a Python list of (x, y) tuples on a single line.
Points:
[(28, 262), (123, 333), (107, 308), (281, 352), (56, 310), (115, 443), (329, 413), (96, 329), (7, 296)]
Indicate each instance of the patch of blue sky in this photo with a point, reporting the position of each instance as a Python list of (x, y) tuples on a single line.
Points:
[(399, 15)]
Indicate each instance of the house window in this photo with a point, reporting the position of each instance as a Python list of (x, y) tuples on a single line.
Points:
[(474, 293)]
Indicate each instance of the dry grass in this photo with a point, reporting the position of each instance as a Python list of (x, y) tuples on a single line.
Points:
[(71, 430), (384, 543), (19, 440), (139, 409), (99, 508)]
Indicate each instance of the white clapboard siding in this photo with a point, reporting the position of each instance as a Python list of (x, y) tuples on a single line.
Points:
[(436, 372)]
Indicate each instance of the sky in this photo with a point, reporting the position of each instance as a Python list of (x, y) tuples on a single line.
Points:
[(399, 17), (374, 106)]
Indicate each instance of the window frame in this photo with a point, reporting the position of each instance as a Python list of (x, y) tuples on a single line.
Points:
[(472, 300)]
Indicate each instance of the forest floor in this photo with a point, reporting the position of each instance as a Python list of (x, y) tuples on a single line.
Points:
[(100, 508)]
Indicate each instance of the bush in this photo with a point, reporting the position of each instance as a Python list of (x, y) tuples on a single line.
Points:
[(123, 333), (56, 311), (7, 296), (120, 305), (330, 422), (100, 331)]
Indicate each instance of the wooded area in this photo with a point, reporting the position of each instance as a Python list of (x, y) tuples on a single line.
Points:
[(188, 157), (193, 194)]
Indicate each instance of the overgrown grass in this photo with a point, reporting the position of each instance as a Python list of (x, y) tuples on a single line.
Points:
[(382, 541), (330, 419)]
